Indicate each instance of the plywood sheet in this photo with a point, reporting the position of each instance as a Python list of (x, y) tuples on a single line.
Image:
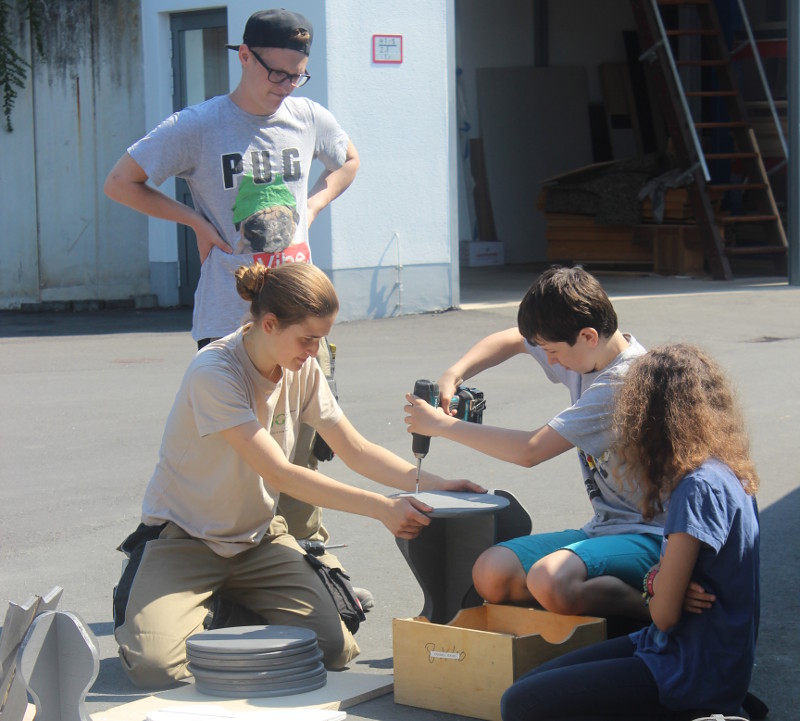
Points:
[(534, 124), (344, 689)]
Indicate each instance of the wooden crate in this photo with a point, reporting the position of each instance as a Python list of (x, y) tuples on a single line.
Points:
[(580, 238), (464, 667), (677, 249)]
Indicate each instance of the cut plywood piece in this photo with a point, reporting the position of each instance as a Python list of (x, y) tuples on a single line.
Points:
[(534, 124), (18, 619), (343, 690), (213, 712), (58, 661)]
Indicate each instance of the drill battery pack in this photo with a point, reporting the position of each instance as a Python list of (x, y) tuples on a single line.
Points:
[(469, 404)]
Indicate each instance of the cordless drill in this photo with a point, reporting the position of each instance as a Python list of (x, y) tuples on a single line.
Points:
[(429, 392)]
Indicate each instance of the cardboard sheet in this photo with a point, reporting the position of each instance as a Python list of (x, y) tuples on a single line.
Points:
[(214, 712), (344, 689)]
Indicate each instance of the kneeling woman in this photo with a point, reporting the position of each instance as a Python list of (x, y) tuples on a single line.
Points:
[(682, 437), (208, 515)]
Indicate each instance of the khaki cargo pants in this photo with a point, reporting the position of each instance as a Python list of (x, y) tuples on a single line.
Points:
[(164, 594)]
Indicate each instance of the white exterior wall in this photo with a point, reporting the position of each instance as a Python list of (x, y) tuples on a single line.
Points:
[(395, 230), (387, 243), (60, 240)]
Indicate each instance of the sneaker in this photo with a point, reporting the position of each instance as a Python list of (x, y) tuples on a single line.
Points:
[(365, 598)]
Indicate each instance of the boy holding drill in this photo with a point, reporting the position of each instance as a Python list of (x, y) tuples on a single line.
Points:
[(567, 323)]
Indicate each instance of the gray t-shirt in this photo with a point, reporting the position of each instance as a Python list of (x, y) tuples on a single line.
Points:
[(202, 484), (587, 425), (248, 175)]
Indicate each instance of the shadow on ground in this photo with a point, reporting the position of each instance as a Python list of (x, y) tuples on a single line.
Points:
[(17, 324)]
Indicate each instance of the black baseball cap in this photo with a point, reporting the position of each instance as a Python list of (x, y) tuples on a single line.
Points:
[(277, 28)]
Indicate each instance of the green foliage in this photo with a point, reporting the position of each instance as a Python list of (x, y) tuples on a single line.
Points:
[(13, 67)]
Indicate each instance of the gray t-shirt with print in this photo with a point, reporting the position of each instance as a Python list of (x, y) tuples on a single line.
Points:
[(587, 425), (248, 175)]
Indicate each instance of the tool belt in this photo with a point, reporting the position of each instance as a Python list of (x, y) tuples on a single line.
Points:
[(337, 584)]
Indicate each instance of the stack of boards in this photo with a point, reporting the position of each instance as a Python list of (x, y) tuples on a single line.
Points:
[(249, 661)]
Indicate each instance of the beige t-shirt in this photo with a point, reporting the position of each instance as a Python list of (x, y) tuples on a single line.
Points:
[(200, 483)]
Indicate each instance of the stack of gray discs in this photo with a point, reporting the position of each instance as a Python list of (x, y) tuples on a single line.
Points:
[(256, 661)]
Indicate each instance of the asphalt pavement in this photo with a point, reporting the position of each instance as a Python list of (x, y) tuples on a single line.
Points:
[(84, 397)]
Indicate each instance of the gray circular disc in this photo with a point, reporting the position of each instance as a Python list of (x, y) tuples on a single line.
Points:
[(256, 663), (258, 656), (250, 685), (280, 674), (447, 504), (243, 640), (239, 692)]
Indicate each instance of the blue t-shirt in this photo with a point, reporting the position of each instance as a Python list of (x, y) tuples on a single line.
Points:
[(705, 660)]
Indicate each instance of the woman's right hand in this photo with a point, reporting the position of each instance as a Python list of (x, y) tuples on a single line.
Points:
[(405, 516)]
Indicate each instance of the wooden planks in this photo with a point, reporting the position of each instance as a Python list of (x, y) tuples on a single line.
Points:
[(343, 690), (672, 247)]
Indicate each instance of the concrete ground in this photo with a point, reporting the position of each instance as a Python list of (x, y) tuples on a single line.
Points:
[(85, 396)]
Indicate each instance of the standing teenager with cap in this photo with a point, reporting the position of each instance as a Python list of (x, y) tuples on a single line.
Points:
[(246, 157)]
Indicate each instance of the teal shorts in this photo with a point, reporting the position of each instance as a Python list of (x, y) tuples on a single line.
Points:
[(628, 556)]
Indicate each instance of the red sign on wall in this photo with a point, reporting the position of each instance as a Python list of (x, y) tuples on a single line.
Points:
[(387, 49)]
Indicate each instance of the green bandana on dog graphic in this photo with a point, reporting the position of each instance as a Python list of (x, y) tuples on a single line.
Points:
[(265, 215)]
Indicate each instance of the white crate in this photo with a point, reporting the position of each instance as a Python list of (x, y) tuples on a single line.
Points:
[(480, 252)]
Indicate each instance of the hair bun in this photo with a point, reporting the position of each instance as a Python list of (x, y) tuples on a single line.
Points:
[(250, 280)]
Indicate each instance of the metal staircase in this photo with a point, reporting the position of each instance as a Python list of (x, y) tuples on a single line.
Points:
[(689, 66)]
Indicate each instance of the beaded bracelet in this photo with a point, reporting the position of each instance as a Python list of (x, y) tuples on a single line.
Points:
[(647, 585)]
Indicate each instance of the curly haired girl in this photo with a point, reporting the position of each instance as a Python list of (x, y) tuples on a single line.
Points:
[(682, 437)]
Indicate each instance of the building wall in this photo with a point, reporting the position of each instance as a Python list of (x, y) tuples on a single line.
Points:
[(60, 240), (394, 233), (387, 243)]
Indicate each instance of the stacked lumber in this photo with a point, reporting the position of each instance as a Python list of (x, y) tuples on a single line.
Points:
[(670, 247), (678, 206), (580, 238), (576, 238)]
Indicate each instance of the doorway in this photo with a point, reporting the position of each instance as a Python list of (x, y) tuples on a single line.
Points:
[(199, 71)]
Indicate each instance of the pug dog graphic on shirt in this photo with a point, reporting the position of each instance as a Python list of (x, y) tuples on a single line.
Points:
[(265, 214)]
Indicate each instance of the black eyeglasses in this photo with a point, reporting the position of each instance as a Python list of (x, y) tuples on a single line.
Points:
[(279, 76)]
